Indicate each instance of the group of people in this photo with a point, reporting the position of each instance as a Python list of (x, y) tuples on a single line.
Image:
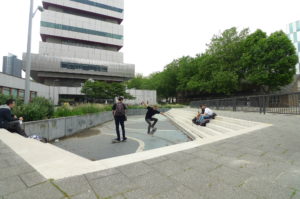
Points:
[(204, 116), (13, 124), (119, 113)]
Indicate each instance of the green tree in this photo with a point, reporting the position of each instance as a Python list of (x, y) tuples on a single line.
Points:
[(103, 90), (268, 62), (138, 82)]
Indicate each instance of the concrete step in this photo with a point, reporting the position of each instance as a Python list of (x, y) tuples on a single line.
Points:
[(216, 128), (242, 123)]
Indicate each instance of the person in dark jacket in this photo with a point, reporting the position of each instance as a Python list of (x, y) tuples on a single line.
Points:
[(119, 113), (9, 121), (151, 111)]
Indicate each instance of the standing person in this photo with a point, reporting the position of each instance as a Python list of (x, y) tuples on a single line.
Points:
[(151, 111), (9, 121), (119, 113)]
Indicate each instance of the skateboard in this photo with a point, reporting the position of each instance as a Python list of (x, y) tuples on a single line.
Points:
[(153, 131)]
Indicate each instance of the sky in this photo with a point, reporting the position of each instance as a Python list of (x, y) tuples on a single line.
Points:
[(159, 31)]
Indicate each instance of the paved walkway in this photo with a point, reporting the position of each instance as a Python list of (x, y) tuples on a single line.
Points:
[(261, 164)]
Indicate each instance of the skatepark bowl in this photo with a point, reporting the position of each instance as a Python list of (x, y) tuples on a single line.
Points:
[(96, 143)]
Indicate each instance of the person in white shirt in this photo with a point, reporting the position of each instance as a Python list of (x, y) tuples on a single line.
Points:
[(207, 113)]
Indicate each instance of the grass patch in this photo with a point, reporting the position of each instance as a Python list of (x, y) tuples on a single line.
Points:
[(293, 194)]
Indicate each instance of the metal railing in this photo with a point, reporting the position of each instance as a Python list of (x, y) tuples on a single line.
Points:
[(276, 103)]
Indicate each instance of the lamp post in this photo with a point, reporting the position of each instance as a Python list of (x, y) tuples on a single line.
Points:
[(28, 55)]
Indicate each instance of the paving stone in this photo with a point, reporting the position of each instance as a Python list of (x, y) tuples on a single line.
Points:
[(202, 165), (41, 191), (5, 150), (74, 185), (207, 155), (224, 191), (15, 160), (101, 174), (266, 189), (33, 178), (3, 164), (118, 197), (179, 193), (155, 160), (137, 194), (153, 183), (112, 185), (229, 175), (193, 179), (170, 167), (289, 179), (134, 170), (15, 170), (10, 185), (180, 157), (87, 195)]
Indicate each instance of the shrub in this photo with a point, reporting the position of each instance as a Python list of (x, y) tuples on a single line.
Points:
[(66, 110), (4, 98), (38, 109)]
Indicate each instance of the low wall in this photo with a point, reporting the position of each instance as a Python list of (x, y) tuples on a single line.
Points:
[(61, 127)]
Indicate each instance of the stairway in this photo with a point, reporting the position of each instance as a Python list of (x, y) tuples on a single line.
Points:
[(216, 129)]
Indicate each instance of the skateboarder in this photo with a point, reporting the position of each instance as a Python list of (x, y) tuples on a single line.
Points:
[(149, 117)]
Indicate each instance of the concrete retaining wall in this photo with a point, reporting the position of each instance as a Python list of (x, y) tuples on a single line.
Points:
[(61, 127)]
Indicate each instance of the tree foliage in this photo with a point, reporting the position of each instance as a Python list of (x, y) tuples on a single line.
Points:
[(235, 61), (103, 90)]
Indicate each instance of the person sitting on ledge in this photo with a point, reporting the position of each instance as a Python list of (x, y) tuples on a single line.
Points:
[(207, 112), (9, 121)]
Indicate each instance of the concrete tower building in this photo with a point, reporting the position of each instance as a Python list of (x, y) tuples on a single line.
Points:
[(81, 39), (12, 65), (293, 31)]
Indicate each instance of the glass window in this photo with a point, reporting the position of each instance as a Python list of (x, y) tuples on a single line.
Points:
[(298, 46), (33, 94), (295, 37), (14, 92), (291, 28), (298, 25), (81, 30), (75, 66), (6, 91), (21, 93), (99, 5)]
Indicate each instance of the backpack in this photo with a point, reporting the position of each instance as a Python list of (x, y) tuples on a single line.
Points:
[(120, 109)]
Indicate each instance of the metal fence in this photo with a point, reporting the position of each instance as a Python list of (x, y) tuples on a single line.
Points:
[(276, 103)]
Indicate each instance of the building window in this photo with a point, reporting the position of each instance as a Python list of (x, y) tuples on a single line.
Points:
[(298, 25), (99, 5), (6, 91), (21, 93), (295, 37), (75, 66), (80, 30), (33, 95), (14, 92), (291, 28)]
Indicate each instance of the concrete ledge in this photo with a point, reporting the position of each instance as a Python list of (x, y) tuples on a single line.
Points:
[(61, 127)]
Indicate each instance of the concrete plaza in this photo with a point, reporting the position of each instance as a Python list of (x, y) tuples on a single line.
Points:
[(261, 164)]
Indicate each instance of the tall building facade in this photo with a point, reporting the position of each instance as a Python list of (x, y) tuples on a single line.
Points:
[(12, 65), (293, 30), (81, 40)]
